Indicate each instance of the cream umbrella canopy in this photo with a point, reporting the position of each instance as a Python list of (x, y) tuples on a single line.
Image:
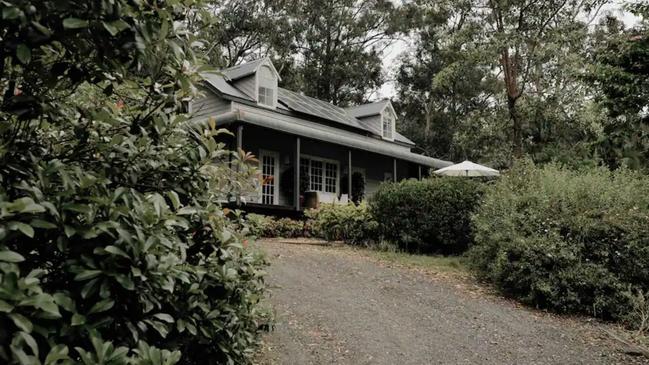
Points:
[(467, 168)]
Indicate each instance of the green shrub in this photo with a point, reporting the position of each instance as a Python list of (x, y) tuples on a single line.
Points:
[(113, 248), (271, 227), (287, 228), (350, 223), (431, 215), (258, 225), (571, 241)]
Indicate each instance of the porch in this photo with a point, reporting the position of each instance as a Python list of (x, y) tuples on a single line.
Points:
[(323, 167)]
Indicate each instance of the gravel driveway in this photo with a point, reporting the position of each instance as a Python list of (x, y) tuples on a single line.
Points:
[(337, 306)]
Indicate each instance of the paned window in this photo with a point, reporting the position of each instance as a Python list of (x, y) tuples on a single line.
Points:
[(265, 96), (388, 125), (323, 174)]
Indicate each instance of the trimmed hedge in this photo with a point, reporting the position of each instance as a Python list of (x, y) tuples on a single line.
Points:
[(432, 215), (267, 226), (351, 223), (566, 240)]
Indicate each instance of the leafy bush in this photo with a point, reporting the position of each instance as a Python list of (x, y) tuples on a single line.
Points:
[(431, 215), (258, 225), (571, 241), (113, 249), (351, 223), (265, 226)]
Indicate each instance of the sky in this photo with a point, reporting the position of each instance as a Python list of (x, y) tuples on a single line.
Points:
[(392, 53)]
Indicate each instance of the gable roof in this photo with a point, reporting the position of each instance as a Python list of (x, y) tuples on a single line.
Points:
[(317, 108), (249, 68), (218, 82), (221, 81), (366, 110)]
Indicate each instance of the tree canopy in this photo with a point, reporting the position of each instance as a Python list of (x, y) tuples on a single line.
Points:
[(487, 80)]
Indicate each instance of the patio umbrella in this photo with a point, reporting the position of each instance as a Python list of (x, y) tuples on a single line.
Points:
[(467, 168)]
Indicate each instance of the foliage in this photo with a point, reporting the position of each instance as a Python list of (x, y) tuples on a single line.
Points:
[(339, 45), (351, 223), (358, 187), (113, 248), (431, 215), (486, 78), (620, 71), (270, 227), (246, 29), (638, 317), (331, 50), (287, 182), (570, 241)]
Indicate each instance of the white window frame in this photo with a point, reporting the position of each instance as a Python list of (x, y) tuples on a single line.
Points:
[(269, 103), (259, 85), (392, 118), (324, 162), (276, 177)]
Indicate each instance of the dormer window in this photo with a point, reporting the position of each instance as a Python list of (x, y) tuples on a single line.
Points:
[(388, 124), (266, 96), (267, 86)]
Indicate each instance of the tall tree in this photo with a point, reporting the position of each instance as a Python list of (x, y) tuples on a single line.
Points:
[(329, 49), (442, 80), (522, 34), (338, 47), (246, 29), (620, 72), (496, 61)]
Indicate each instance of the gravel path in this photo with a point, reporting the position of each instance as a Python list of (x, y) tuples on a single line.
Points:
[(335, 306)]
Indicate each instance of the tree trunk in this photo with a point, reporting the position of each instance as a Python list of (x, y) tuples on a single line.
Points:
[(517, 130), (513, 94), (427, 111)]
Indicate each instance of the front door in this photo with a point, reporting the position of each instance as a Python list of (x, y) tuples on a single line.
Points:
[(270, 177)]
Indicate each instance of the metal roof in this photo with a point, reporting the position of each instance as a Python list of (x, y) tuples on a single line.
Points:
[(301, 127), (216, 80), (292, 101), (317, 108), (366, 110), (403, 139), (243, 70)]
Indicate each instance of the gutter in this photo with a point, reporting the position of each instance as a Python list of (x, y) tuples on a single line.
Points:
[(325, 134)]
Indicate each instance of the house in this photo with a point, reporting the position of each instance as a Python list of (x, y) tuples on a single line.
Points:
[(285, 129)]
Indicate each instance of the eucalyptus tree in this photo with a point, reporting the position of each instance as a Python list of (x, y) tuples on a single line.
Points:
[(338, 46), (502, 71), (524, 35), (443, 79), (242, 30)]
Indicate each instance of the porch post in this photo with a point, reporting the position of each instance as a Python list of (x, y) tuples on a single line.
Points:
[(419, 166), (349, 175), (296, 175), (239, 138), (394, 168), (239, 148)]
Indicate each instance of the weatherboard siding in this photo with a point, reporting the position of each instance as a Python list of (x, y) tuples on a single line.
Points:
[(209, 105)]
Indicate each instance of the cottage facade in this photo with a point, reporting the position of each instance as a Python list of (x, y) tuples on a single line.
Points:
[(286, 129)]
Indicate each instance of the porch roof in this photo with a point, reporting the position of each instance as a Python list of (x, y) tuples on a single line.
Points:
[(300, 127)]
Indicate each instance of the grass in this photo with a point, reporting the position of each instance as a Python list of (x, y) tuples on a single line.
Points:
[(447, 264)]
